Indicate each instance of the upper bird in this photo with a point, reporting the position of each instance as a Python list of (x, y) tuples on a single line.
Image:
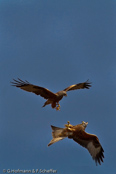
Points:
[(78, 134), (52, 98)]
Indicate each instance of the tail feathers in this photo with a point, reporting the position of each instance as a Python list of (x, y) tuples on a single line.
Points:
[(53, 104), (56, 134), (45, 104), (54, 140), (56, 131)]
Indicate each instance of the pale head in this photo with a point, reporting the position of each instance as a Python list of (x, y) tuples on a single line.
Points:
[(84, 124), (61, 93)]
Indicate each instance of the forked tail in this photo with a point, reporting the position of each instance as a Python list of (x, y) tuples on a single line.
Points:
[(56, 134)]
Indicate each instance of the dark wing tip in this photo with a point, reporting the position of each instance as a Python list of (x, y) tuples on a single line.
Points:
[(19, 82), (99, 157), (87, 84)]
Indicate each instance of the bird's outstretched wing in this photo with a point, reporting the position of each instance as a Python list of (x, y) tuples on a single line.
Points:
[(25, 85), (86, 85), (91, 142)]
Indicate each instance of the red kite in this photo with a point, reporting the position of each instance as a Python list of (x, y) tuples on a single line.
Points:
[(52, 98), (78, 134)]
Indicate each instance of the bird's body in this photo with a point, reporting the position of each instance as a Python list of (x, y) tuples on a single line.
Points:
[(55, 100), (52, 98), (78, 134)]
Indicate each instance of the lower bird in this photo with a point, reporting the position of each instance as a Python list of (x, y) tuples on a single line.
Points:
[(52, 98), (78, 134)]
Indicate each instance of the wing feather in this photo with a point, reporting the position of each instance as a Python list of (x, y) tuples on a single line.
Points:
[(25, 85), (86, 85), (91, 142)]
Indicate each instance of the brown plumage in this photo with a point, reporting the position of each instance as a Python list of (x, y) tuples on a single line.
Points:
[(78, 134), (52, 98)]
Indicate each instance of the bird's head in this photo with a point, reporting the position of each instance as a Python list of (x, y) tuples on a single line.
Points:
[(84, 124), (64, 93)]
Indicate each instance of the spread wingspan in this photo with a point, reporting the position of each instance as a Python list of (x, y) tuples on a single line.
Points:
[(52, 98)]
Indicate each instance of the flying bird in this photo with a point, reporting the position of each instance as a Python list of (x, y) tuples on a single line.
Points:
[(52, 98), (78, 134)]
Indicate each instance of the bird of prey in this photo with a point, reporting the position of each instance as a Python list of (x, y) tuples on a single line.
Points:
[(78, 134), (52, 98)]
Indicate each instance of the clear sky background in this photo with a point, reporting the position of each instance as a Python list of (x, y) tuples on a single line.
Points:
[(54, 44)]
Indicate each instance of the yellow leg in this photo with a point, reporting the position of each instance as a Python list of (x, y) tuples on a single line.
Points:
[(67, 125), (58, 107)]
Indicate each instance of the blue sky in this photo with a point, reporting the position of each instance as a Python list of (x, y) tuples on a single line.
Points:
[(54, 44)]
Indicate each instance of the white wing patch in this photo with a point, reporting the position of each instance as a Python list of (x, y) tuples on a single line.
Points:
[(93, 150)]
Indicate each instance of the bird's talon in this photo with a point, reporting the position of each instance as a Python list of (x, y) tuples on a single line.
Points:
[(67, 125), (68, 122), (58, 108)]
